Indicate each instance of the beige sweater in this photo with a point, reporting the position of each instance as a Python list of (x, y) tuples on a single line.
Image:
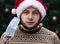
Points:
[(43, 36)]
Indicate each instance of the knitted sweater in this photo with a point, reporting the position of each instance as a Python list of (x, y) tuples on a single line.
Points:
[(42, 36)]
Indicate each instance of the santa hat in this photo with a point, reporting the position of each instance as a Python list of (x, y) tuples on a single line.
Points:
[(21, 5)]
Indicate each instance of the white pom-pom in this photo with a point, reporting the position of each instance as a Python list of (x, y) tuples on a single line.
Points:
[(13, 11)]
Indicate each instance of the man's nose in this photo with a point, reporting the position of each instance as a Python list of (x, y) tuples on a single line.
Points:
[(30, 16)]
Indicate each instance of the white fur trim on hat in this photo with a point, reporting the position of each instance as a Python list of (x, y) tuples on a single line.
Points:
[(13, 11)]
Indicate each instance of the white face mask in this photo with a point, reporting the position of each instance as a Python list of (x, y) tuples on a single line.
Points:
[(12, 27)]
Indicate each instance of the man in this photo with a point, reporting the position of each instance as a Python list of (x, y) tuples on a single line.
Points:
[(30, 13)]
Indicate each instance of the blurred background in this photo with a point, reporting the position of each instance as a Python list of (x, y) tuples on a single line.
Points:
[(51, 21)]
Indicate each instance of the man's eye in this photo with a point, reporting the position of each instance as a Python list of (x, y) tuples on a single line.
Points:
[(26, 12), (35, 13)]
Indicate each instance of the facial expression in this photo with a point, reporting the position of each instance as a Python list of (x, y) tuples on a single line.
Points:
[(30, 17)]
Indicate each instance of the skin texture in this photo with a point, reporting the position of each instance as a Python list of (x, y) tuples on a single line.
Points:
[(30, 18)]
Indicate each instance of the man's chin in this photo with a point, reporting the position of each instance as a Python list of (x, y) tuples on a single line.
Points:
[(29, 27)]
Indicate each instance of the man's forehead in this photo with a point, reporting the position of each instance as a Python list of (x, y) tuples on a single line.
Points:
[(31, 7)]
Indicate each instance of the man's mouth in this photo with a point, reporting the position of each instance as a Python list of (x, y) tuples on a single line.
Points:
[(30, 23)]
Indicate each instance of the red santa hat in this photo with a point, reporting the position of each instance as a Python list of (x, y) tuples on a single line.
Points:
[(21, 5)]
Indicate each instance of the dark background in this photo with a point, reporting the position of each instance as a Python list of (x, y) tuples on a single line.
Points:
[(51, 21)]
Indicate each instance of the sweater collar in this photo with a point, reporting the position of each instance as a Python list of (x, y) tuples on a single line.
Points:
[(31, 31)]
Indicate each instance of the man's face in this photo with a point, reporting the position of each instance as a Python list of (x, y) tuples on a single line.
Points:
[(30, 17)]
